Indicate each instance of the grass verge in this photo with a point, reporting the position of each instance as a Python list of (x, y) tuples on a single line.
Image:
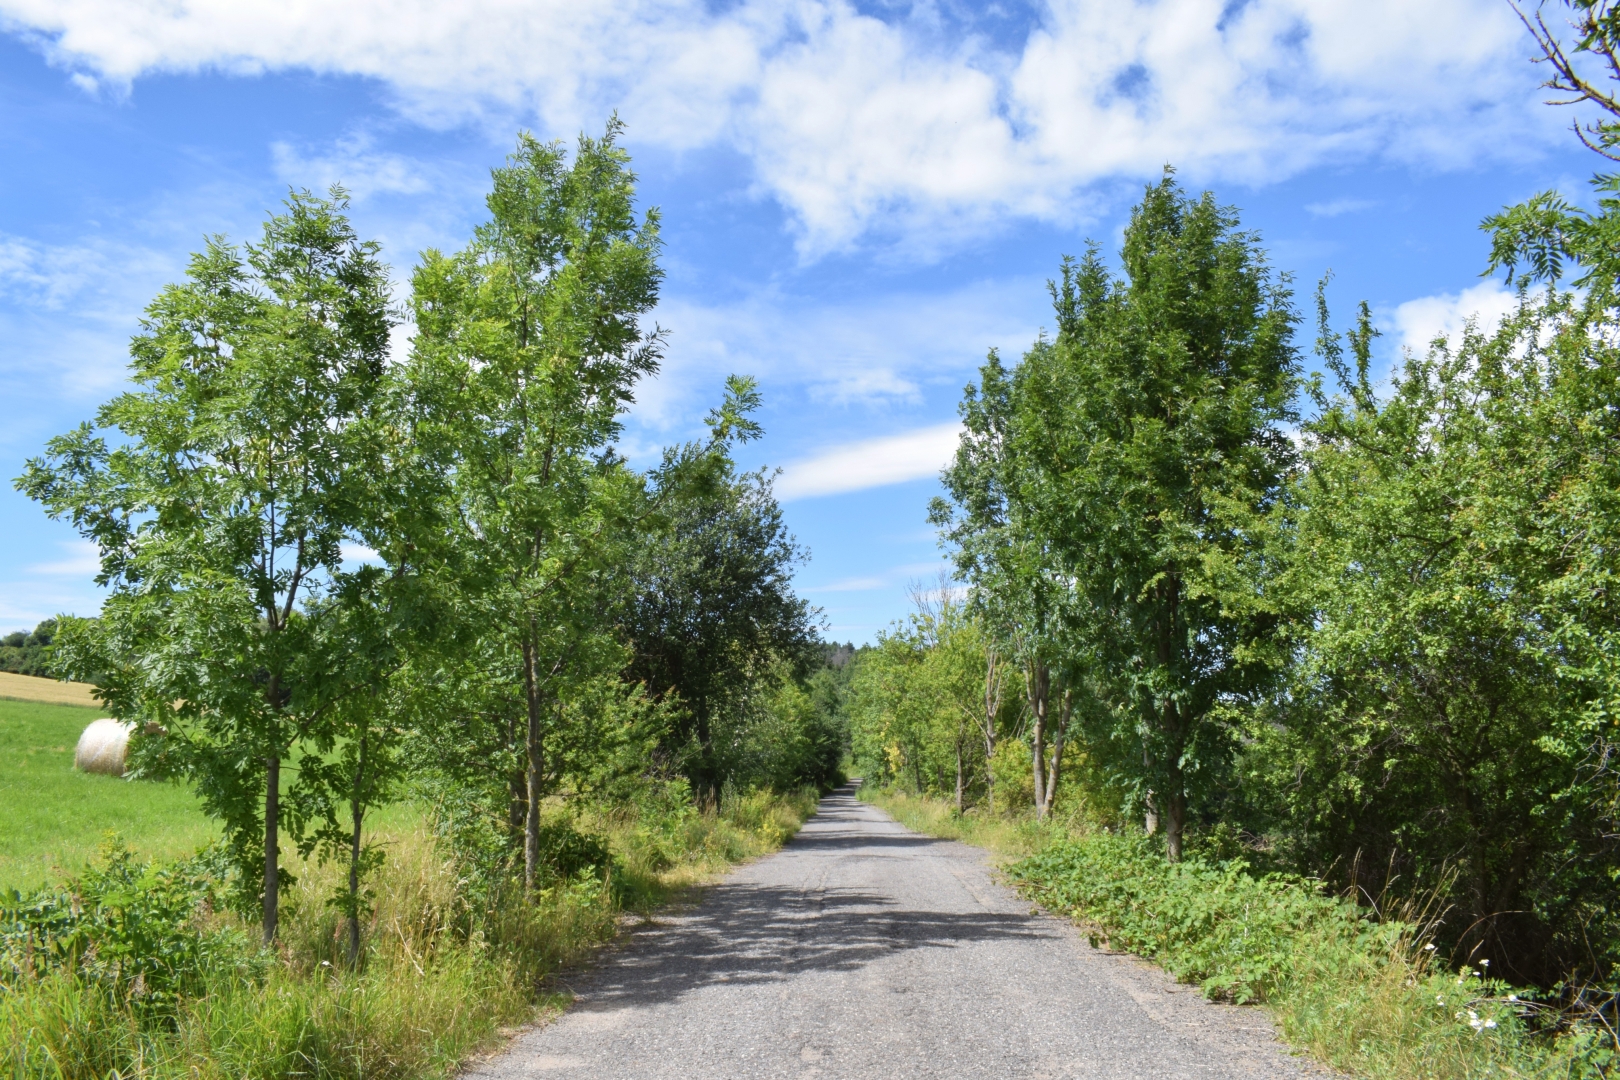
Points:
[(1363, 996), (160, 983)]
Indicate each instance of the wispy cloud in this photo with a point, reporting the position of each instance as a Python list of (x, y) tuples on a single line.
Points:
[(854, 584), (871, 463), (83, 561), (1337, 207), (356, 164), (925, 573), (874, 352), (875, 123)]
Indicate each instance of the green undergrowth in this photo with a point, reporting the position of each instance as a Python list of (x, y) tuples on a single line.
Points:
[(1366, 996), (135, 969)]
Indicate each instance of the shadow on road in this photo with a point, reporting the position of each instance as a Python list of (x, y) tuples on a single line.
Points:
[(753, 933)]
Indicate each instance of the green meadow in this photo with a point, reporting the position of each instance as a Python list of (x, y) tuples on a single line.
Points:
[(53, 817)]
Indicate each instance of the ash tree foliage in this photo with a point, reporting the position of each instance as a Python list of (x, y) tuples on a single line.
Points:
[(241, 464), (340, 575)]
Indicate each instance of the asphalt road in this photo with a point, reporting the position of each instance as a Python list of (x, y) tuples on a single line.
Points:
[(866, 951)]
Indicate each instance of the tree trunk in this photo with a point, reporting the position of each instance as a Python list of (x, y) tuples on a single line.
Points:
[(992, 706), (357, 809), (1175, 820), (1175, 799), (536, 761), (272, 851), (1039, 685), (959, 773), (1150, 807), (1053, 770)]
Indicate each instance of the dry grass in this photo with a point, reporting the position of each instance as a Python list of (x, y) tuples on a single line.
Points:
[(50, 691)]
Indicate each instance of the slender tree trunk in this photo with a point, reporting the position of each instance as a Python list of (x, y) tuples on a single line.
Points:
[(708, 782), (1172, 725), (1150, 807), (272, 852), (357, 808), (1040, 684), (992, 706), (536, 762), (1060, 738), (1175, 823), (959, 772)]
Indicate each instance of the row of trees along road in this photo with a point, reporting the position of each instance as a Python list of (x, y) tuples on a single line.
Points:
[(1353, 628), (331, 567)]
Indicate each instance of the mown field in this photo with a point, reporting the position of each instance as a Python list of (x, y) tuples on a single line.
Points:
[(53, 817)]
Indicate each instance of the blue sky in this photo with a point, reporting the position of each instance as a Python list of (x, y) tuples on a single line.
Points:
[(858, 199)]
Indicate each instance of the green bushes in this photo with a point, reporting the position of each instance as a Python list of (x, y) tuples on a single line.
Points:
[(1364, 995), (1235, 935), (125, 929)]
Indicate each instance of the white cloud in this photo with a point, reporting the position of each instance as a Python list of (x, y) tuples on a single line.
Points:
[(84, 561), (875, 352), (357, 553), (871, 463), (1336, 207), (907, 125), (353, 163), (855, 584), (925, 575), (68, 309), (1419, 322)]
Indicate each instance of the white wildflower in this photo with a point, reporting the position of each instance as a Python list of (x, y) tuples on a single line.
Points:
[(1429, 947)]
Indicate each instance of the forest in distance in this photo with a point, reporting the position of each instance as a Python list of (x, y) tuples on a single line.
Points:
[(1343, 640)]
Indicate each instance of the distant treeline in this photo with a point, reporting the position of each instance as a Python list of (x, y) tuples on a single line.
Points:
[(28, 654)]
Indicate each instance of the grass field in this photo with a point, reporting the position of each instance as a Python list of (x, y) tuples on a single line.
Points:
[(52, 817)]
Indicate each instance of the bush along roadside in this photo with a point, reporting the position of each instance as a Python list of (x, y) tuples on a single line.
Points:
[(138, 971), (1366, 995)]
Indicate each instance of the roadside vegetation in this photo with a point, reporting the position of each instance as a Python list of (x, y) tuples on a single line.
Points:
[(429, 688), (1300, 682)]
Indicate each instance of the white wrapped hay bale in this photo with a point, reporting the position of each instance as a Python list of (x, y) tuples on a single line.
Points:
[(102, 747)]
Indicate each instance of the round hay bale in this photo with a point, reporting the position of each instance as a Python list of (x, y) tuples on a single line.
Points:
[(102, 747)]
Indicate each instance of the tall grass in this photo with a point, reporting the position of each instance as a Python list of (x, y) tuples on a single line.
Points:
[(446, 968), (1366, 996)]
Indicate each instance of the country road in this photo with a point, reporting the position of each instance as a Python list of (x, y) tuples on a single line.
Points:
[(865, 951)]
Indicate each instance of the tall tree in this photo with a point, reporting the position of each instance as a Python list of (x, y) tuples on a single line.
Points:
[(713, 618), (529, 344), (1149, 435), (246, 457)]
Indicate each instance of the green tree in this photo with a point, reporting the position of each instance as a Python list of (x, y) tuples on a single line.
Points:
[(245, 460), (712, 618), (1450, 552), (529, 344), (1146, 438), (1017, 599), (29, 654)]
